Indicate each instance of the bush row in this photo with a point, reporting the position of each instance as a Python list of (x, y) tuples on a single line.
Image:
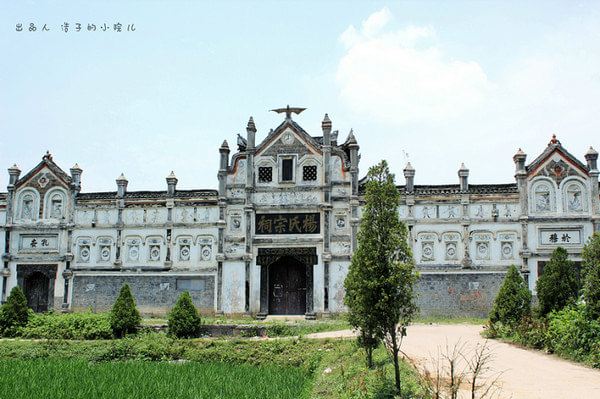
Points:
[(124, 319), (567, 319)]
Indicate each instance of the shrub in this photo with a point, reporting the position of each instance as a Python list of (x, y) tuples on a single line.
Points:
[(184, 321), (14, 313), (572, 335), (68, 326), (124, 316), (557, 287), (513, 301), (591, 276)]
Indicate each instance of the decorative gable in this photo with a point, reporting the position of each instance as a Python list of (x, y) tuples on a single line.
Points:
[(288, 138), (556, 163), (45, 175)]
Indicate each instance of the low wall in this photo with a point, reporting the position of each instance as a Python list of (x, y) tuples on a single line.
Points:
[(154, 294), (457, 293)]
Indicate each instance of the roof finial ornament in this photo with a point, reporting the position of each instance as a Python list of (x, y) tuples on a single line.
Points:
[(288, 111), (554, 140), (47, 156)]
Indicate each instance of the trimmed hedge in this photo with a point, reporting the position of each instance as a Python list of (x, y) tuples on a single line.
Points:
[(82, 326)]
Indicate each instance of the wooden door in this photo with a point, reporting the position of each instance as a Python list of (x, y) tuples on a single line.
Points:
[(287, 287), (36, 291)]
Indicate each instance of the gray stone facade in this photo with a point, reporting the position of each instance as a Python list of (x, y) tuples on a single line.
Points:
[(278, 234), (154, 293)]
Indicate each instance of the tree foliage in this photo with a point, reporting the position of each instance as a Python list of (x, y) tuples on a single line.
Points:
[(14, 313), (513, 301), (558, 285), (124, 316), (380, 280), (591, 276), (184, 321)]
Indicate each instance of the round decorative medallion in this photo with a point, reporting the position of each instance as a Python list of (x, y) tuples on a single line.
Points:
[(184, 253), (85, 254), (105, 254)]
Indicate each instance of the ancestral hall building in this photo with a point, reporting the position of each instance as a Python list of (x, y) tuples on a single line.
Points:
[(278, 234)]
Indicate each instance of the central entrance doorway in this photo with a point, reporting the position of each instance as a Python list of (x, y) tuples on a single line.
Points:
[(36, 290), (287, 280), (37, 282)]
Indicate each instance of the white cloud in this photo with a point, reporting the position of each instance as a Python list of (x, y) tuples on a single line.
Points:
[(403, 75)]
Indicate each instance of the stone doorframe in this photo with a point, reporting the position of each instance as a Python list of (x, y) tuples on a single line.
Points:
[(267, 256), (24, 271)]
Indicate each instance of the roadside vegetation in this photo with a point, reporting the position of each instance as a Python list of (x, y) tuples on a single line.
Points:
[(567, 320)]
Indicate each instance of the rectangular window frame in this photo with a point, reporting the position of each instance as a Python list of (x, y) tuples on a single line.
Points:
[(280, 159)]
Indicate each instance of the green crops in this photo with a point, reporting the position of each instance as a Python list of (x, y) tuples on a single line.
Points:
[(54, 378)]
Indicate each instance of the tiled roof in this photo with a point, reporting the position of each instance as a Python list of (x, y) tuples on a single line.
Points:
[(442, 189), (149, 194)]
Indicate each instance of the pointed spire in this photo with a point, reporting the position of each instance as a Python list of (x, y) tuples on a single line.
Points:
[(351, 139), (591, 151), (224, 145), (76, 168), (172, 175), (463, 167), (408, 166), (326, 124), (251, 126), (14, 168), (520, 152), (121, 178)]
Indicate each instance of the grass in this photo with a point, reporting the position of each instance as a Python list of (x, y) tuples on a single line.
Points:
[(274, 328), (343, 375), (328, 368), (60, 378)]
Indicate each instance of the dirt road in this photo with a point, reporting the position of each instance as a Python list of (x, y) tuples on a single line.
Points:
[(526, 374)]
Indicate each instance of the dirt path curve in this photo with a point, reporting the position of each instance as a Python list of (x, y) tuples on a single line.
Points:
[(526, 374)]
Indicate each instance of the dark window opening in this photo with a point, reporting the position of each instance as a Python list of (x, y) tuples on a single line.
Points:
[(287, 169), (309, 173), (265, 174), (192, 284)]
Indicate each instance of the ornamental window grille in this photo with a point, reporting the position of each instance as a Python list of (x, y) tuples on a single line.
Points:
[(265, 174), (309, 173)]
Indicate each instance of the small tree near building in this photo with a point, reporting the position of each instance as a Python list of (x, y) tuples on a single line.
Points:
[(14, 313), (513, 301), (184, 321), (380, 281), (591, 277), (124, 316), (558, 285)]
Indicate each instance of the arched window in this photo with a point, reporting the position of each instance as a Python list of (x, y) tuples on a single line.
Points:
[(56, 206), (27, 207), (542, 198), (575, 196)]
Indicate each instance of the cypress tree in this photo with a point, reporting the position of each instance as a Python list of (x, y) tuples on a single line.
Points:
[(124, 316), (591, 277), (513, 301), (558, 285), (379, 285), (14, 313), (184, 321)]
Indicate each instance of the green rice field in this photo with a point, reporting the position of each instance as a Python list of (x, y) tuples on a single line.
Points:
[(74, 378)]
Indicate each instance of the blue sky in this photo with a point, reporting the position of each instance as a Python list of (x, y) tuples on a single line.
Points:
[(436, 83)]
